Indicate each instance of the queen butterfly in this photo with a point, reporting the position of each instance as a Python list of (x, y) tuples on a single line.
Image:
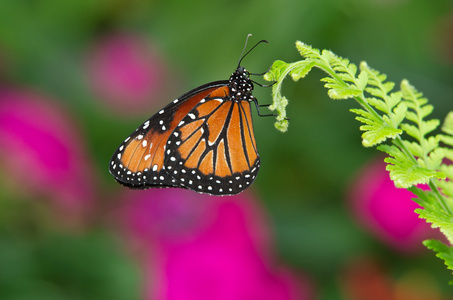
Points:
[(203, 141)]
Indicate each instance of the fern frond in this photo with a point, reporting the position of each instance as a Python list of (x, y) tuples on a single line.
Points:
[(376, 130), (391, 116), (277, 73), (443, 252)]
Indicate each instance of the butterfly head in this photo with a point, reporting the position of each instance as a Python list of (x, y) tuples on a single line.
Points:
[(241, 85)]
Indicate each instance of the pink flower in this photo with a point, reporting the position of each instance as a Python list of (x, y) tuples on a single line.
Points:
[(126, 73), (201, 247), (387, 211), (42, 153)]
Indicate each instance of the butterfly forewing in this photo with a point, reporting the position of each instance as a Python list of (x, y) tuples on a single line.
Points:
[(139, 161)]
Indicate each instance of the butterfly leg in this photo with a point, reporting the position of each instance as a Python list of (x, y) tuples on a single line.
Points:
[(258, 109), (263, 85), (264, 105)]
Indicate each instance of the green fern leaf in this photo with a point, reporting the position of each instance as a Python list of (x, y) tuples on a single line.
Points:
[(429, 126), (276, 71), (447, 127), (443, 252), (446, 186), (438, 219), (403, 171), (362, 81), (398, 114), (385, 115), (414, 148), (378, 104), (376, 129), (301, 70), (412, 130), (337, 90)]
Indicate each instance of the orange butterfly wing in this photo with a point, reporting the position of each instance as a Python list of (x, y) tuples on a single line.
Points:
[(139, 161), (213, 149)]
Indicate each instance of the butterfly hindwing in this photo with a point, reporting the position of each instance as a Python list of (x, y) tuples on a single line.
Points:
[(213, 149), (139, 161)]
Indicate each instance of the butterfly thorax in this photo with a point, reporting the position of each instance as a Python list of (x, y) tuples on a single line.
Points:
[(240, 85)]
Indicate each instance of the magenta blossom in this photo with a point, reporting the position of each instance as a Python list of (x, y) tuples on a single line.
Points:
[(126, 73), (42, 153), (387, 211), (202, 247)]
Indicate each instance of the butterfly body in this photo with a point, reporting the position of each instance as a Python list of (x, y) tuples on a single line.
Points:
[(203, 141)]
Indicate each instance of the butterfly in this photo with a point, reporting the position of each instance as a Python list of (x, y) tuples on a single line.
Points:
[(202, 141)]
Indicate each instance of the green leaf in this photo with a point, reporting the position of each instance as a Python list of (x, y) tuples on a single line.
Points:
[(429, 126), (438, 219), (446, 139), (405, 172), (414, 148), (276, 71), (338, 90), (307, 51), (443, 252), (446, 186), (279, 106), (376, 130), (362, 81), (399, 112), (301, 70), (282, 125), (447, 127), (378, 104)]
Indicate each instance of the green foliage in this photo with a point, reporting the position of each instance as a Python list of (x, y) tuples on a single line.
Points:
[(395, 122), (442, 251), (281, 70)]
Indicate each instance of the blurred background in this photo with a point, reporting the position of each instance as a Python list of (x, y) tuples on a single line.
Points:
[(322, 220)]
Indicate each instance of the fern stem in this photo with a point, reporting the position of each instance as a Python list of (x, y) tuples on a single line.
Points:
[(433, 186), (361, 99), (398, 141)]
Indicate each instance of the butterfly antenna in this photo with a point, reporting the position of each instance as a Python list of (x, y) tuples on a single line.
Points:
[(245, 46)]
